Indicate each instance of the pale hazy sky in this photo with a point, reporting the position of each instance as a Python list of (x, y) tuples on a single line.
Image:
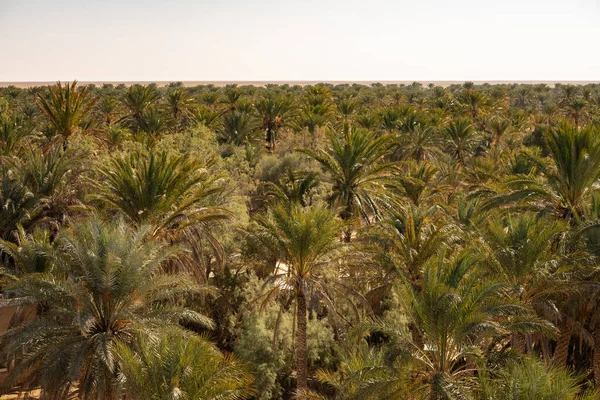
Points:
[(47, 40)]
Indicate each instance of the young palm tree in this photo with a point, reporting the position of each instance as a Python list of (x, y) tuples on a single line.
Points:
[(529, 379), (305, 240), (356, 164), (66, 108), (180, 366), (294, 188), (13, 134), (138, 98), (104, 287), (420, 144)]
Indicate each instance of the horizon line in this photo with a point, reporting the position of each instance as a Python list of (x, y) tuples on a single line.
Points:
[(24, 84)]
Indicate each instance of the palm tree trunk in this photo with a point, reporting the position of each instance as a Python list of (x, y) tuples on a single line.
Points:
[(519, 343), (561, 353), (301, 350), (596, 358)]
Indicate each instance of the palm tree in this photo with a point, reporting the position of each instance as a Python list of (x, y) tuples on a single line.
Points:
[(568, 180), (238, 128), (66, 108), (461, 139), (180, 366), (410, 237), (103, 287), (13, 134), (275, 113), (420, 143), (107, 109), (38, 188), (179, 104), (529, 379), (521, 255), (305, 241), (498, 126), (294, 188), (136, 101), (432, 344), (175, 195), (356, 164)]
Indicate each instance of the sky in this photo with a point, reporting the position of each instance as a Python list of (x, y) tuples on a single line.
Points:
[(258, 40)]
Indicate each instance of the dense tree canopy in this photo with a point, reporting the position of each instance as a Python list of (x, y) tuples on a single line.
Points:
[(319, 242)]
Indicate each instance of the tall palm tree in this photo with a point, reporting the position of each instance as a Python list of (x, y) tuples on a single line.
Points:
[(305, 240), (103, 287), (357, 166), (66, 108), (275, 113), (180, 366), (521, 254)]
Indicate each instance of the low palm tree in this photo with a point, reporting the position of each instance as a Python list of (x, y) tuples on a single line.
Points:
[(103, 288), (530, 379), (180, 366), (521, 255), (176, 196), (432, 344)]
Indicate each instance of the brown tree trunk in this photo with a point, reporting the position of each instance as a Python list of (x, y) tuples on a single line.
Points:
[(301, 350), (596, 358), (519, 343), (561, 353)]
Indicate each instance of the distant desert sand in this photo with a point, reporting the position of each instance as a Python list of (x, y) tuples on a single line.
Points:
[(301, 83)]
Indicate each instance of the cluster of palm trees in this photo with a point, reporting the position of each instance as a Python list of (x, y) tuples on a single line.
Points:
[(447, 239)]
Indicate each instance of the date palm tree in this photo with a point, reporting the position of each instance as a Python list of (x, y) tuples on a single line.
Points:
[(66, 108), (180, 366), (461, 139), (565, 182), (238, 128), (520, 253), (275, 113), (176, 196), (359, 172), (431, 345), (306, 241), (103, 288)]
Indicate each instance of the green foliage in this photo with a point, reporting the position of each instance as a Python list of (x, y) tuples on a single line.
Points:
[(424, 243), (177, 365)]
